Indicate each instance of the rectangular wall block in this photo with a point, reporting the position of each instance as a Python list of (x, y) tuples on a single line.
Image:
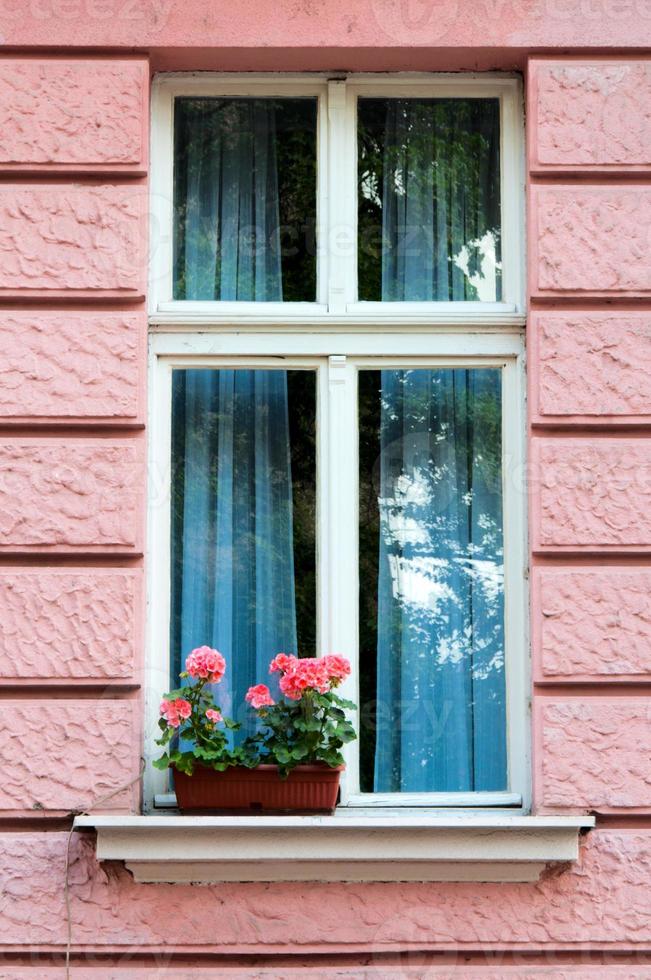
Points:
[(62, 755), (590, 240), (73, 114), (341, 969), (592, 623), (591, 364), (72, 366), (74, 495), (595, 753), (59, 239), (591, 494), (63, 624), (601, 901), (587, 115)]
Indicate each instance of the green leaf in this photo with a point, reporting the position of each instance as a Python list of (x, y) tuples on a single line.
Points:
[(162, 763)]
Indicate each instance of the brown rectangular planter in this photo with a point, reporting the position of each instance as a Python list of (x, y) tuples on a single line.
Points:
[(238, 790)]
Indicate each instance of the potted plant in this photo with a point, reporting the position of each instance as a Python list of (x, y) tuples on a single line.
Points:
[(293, 761)]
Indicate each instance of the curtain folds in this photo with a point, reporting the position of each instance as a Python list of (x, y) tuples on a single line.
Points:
[(440, 200), (440, 650), (233, 559), (232, 219), (233, 543)]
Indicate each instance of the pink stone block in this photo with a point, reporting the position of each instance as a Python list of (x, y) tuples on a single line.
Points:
[(73, 114), (590, 114), (591, 494), (336, 967), (60, 623), (602, 901), (593, 240), (72, 366), (70, 495), (60, 239), (594, 753), (587, 366), (63, 755), (591, 624)]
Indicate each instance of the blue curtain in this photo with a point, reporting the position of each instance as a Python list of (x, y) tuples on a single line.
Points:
[(441, 200), (232, 540), (231, 223), (440, 652), (233, 585), (441, 723)]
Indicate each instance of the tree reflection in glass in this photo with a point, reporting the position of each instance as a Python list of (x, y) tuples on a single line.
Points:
[(432, 630), (429, 199)]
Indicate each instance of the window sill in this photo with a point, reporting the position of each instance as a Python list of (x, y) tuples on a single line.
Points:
[(345, 847)]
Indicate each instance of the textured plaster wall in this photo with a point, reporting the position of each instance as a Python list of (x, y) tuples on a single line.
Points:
[(73, 219), (589, 400), (603, 901)]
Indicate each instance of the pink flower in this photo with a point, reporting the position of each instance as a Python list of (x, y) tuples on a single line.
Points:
[(315, 672), (282, 662), (337, 666), (169, 713), (206, 663), (183, 708), (309, 672), (292, 686), (213, 716), (259, 696), (175, 711)]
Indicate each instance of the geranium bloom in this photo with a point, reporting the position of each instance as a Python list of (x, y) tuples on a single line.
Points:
[(174, 711), (282, 662), (206, 663), (213, 716), (183, 708), (307, 673), (259, 696), (337, 666), (292, 686)]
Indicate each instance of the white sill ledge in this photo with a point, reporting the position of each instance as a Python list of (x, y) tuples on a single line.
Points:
[(343, 847)]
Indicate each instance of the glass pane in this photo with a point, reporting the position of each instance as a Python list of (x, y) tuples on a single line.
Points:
[(432, 581), (429, 199), (243, 521), (245, 199)]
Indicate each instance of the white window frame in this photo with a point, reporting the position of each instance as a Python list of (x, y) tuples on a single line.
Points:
[(336, 336), (337, 195)]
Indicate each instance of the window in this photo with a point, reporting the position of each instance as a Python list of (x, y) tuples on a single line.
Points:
[(337, 410)]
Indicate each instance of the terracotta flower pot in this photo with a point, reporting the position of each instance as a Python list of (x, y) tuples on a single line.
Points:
[(307, 789)]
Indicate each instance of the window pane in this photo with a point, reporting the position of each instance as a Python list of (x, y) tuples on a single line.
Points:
[(243, 520), (432, 581), (245, 199), (429, 199)]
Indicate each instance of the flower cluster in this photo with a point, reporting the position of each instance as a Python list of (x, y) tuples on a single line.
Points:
[(309, 727), (259, 696), (176, 711), (207, 664), (190, 717), (310, 673)]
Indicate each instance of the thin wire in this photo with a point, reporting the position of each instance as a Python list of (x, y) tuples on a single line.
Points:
[(93, 805)]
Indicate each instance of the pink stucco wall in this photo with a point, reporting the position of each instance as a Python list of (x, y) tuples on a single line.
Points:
[(73, 233)]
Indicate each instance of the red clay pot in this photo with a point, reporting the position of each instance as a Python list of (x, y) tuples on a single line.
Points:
[(238, 790)]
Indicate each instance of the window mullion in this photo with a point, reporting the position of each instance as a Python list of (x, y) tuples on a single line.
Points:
[(339, 619), (341, 244)]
